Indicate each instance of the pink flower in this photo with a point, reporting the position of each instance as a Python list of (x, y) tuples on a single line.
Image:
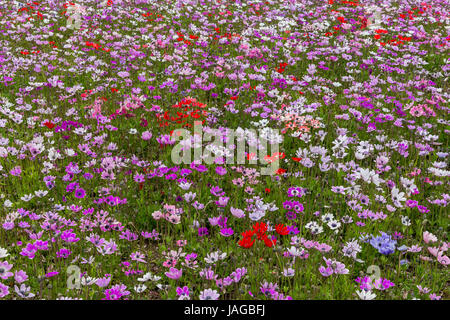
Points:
[(20, 276), (444, 260), (434, 251), (427, 237), (103, 282), (174, 273), (4, 270), (433, 296), (146, 135), (157, 215)]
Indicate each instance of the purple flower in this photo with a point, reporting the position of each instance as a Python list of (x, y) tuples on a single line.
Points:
[(203, 231), (4, 290), (226, 232), (217, 191), (80, 193), (69, 236), (295, 192), (326, 272), (174, 273), (183, 291), (116, 292), (221, 171), (63, 253)]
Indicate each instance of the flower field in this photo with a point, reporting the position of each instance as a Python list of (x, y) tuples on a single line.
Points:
[(335, 187)]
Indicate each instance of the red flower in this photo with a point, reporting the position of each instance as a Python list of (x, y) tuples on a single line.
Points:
[(281, 171), (246, 242), (251, 156), (267, 190), (281, 229), (49, 124), (269, 243), (297, 159), (260, 228), (248, 234)]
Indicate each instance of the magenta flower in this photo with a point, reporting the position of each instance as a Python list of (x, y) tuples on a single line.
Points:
[(116, 292), (63, 253), (51, 274), (69, 236), (29, 251), (221, 171), (80, 193), (226, 232), (4, 290)]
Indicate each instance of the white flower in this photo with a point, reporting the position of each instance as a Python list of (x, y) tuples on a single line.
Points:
[(397, 197), (334, 224), (185, 185), (145, 277), (132, 131), (148, 276), (8, 204), (406, 221), (40, 193), (189, 196), (140, 288), (27, 197), (289, 272), (327, 217), (87, 280), (294, 251), (213, 257), (366, 295), (3, 253)]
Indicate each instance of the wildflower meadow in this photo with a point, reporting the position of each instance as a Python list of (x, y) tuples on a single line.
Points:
[(224, 150)]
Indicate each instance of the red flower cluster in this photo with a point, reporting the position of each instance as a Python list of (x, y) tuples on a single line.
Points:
[(185, 109), (282, 67), (259, 230)]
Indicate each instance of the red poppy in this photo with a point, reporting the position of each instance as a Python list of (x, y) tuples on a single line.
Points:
[(280, 171), (297, 159), (267, 190)]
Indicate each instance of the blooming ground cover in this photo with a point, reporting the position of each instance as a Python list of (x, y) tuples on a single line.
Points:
[(354, 94)]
